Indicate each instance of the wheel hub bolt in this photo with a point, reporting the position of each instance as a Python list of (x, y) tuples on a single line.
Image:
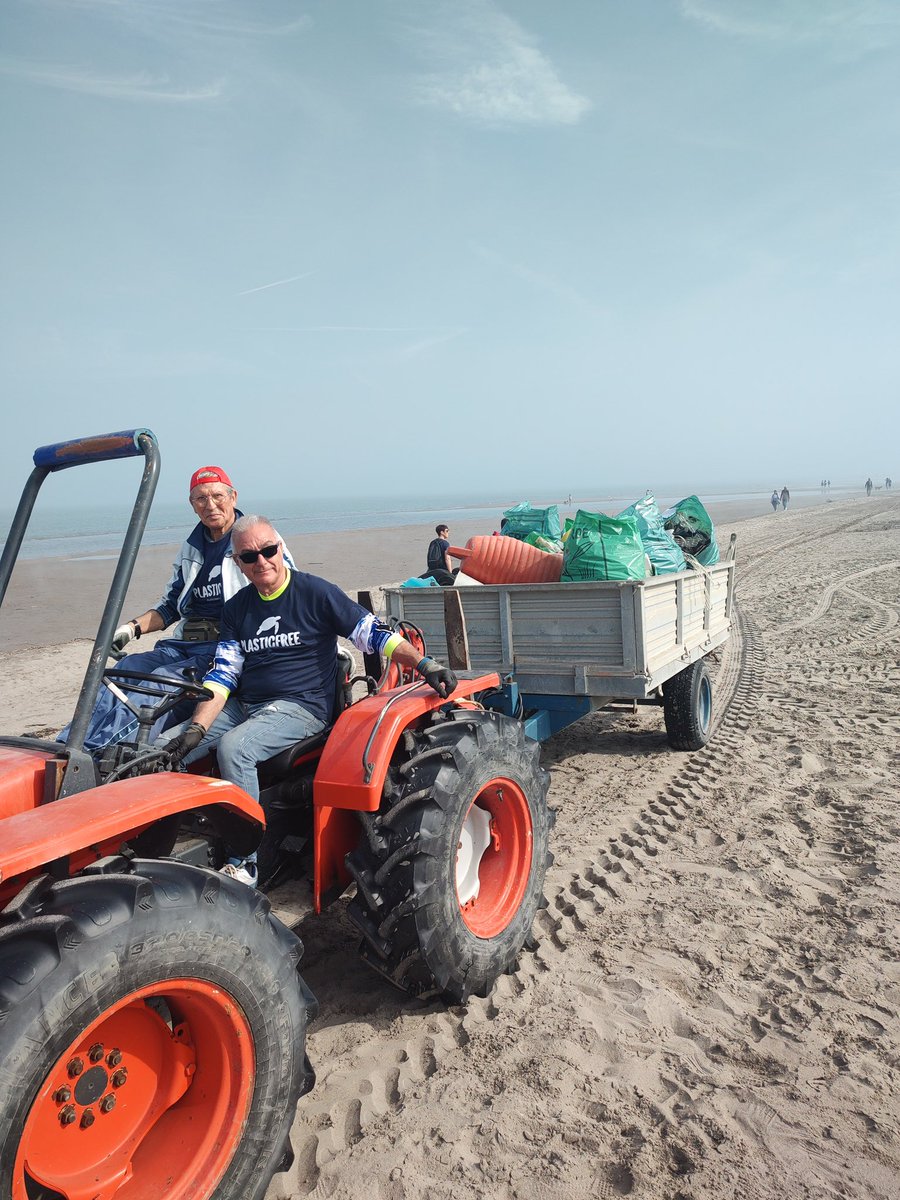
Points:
[(114, 1058), (67, 1115), (108, 1103), (75, 1067), (95, 1053), (87, 1119), (62, 1095), (119, 1078)]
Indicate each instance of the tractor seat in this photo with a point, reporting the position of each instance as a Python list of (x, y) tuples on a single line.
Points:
[(279, 765)]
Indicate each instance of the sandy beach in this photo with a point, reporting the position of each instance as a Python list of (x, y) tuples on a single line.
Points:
[(712, 1009)]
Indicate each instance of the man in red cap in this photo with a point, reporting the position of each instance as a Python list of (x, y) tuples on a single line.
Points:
[(204, 576)]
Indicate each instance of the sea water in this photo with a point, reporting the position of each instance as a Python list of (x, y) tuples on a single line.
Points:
[(96, 531)]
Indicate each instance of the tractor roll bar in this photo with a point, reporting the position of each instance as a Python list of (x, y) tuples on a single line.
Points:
[(57, 457), (91, 449)]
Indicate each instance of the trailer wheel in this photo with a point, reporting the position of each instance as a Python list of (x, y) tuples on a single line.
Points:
[(451, 872), (152, 1032), (687, 707)]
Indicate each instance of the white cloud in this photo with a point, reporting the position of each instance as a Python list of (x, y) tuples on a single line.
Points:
[(852, 25), (138, 86), (184, 16), (491, 71)]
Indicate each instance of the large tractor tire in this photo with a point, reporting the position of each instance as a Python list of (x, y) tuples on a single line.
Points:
[(152, 1034), (687, 707), (450, 872)]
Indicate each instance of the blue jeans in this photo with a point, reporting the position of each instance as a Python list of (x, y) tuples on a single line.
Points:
[(247, 734), (112, 722)]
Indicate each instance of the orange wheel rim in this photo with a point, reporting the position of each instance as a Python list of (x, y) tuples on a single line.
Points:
[(500, 811), (150, 1100)]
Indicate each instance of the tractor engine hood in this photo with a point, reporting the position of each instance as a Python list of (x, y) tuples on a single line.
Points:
[(21, 779)]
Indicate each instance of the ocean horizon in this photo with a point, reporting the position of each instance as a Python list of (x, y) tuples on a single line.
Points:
[(91, 531)]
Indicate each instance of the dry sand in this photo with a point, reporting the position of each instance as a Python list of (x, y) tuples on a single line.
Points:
[(713, 1007)]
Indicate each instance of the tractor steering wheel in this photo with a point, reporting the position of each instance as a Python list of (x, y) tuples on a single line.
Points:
[(153, 685)]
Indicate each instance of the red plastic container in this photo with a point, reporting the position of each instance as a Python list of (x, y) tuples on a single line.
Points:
[(507, 560)]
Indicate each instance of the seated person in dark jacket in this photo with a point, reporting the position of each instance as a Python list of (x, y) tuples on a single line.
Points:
[(275, 667), (439, 565)]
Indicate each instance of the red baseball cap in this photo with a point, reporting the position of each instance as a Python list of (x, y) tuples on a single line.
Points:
[(209, 475)]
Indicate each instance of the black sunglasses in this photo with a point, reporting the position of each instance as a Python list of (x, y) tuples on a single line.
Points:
[(250, 556)]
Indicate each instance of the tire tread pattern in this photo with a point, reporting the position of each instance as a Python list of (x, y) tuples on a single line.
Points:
[(73, 947), (413, 931)]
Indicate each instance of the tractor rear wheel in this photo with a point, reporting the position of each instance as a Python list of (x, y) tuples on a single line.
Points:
[(450, 873), (152, 1033), (687, 707)]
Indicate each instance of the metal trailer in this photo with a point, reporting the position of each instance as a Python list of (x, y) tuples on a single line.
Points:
[(564, 649)]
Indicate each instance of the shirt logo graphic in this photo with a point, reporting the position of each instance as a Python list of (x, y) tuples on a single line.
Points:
[(267, 637), (215, 573)]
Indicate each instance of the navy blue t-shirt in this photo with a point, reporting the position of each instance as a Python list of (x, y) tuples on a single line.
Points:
[(287, 644), (205, 596)]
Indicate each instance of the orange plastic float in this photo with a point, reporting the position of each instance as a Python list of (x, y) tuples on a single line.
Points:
[(507, 560)]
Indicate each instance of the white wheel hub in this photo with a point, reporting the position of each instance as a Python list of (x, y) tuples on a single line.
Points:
[(473, 841)]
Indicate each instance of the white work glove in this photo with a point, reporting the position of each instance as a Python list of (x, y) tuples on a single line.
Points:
[(126, 633)]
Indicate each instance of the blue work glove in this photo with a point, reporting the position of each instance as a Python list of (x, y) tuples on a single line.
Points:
[(440, 679)]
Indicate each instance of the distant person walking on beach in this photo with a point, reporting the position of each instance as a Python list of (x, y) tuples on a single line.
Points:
[(775, 499), (785, 498), (439, 566), (204, 576), (887, 483), (868, 487)]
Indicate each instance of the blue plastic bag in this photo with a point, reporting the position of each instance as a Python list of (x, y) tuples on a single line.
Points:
[(662, 549), (522, 519)]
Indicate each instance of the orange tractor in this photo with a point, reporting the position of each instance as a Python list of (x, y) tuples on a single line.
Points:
[(152, 1015)]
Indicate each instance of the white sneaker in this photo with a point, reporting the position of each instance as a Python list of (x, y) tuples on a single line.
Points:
[(241, 870)]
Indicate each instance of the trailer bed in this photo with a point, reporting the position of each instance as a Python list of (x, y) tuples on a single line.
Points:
[(604, 640)]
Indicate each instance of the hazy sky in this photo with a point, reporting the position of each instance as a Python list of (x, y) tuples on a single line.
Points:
[(407, 245)]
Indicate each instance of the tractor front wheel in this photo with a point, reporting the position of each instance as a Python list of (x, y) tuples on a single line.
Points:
[(152, 1033), (450, 874)]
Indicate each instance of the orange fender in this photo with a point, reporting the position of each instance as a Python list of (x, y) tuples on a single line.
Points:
[(21, 779), (99, 820), (353, 767)]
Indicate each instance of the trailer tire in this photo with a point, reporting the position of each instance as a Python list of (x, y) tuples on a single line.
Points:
[(168, 988), (450, 873), (687, 707)]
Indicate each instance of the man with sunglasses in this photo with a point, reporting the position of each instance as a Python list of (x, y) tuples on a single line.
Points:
[(203, 577), (274, 673)]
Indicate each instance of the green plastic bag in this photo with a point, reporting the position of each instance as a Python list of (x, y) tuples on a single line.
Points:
[(523, 519), (544, 543), (602, 547), (662, 549), (692, 528)]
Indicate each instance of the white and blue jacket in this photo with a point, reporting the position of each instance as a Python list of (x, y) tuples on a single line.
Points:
[(174, 604)]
